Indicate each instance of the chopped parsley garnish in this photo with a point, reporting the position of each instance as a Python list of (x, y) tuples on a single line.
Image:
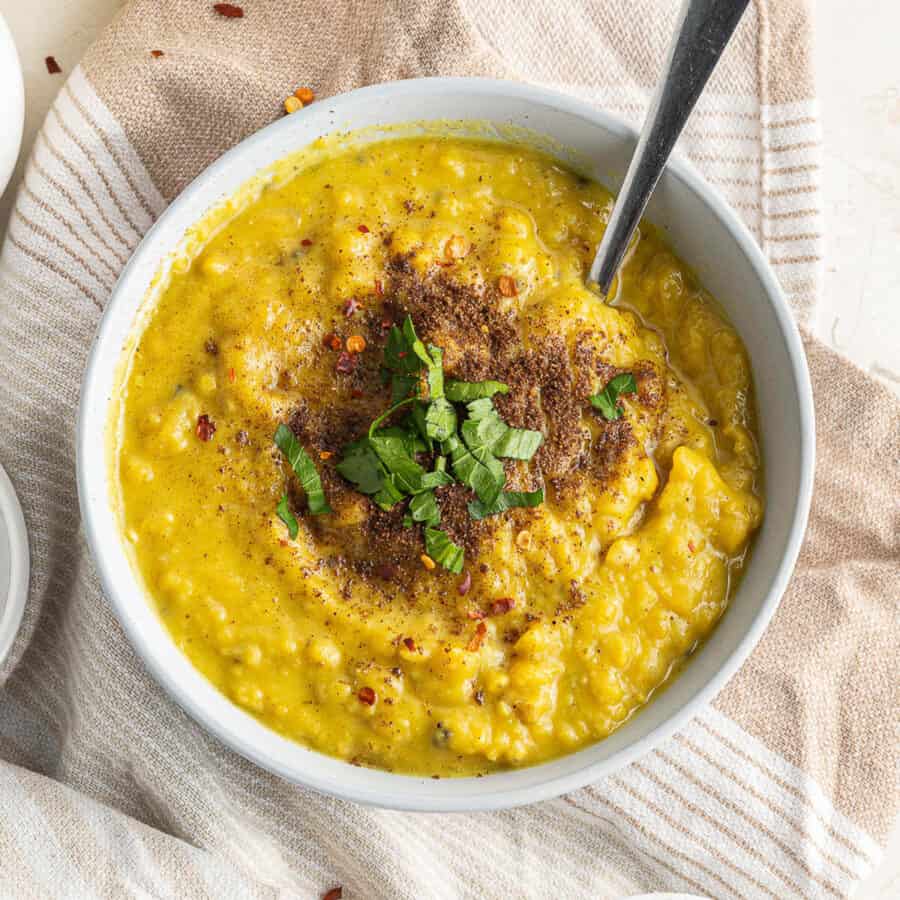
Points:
[(283, 510), (466, 445), (478, 469), (506, 500), (607, 401), (423, 508), (443, 551), (304, 469), (466, 391)]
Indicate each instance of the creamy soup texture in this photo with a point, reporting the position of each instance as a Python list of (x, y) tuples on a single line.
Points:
[(555, 622)]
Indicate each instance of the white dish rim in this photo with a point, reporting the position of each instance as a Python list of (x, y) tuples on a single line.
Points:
[(15, 534)]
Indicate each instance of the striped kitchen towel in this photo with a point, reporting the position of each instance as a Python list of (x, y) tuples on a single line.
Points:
[(783, 788)]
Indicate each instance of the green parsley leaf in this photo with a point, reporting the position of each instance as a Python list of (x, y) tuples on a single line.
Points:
[(518, 443), (466, 391), (506, 500), (399, 355), (443, 551), (389, 495), (360, 466), (484, 427), (304, 468), (405, 473), (403, 386), (438, 478), (476, 467), (412, 340), (389, 411), (417, 417), (436, 373), (606, 402), (283, 510), (423, 508), (440, 419)]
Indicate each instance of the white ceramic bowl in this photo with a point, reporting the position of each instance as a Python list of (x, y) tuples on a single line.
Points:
[(705, 233), (12, 104)]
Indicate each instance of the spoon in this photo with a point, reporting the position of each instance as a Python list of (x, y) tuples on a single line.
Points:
[(704, 29)]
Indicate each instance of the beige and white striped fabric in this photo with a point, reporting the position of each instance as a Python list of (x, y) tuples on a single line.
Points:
[(783, 788)]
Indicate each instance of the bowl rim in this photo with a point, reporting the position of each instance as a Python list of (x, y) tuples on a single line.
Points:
[(486, 798)]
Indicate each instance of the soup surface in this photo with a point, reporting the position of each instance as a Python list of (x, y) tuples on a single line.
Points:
[(437, 632)]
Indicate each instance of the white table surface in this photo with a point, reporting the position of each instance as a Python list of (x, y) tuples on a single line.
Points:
[(859, 83)]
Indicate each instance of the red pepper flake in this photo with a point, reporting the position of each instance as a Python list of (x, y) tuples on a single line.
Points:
[(229, 10), (333, 341), (351, 306), (357, 394), (346, 363), (379, 291), (366, 695), (476, 613), (156, 54), (231, 375), (362, 229), (410, 644), (52, 65), (336, 893), (691, 547), (464, 584), (477, 638), (502, 606), (206, 428), (402, 354), (386, 324), (306, 242)]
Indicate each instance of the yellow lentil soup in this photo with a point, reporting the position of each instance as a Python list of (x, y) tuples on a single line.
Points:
[(318, 608)]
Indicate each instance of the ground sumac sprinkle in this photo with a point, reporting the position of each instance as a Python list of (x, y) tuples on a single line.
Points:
[(306, 242), (206, 428), (52, 65), (410, 644), (363, 229), (229, 10), (366, 695), (156, 54), (336, 893)]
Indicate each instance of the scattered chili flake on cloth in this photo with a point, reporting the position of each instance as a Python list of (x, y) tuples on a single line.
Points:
[(229, 10), (52, 65)]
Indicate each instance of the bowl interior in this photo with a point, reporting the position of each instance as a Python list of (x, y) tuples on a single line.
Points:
[(704, 232)]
